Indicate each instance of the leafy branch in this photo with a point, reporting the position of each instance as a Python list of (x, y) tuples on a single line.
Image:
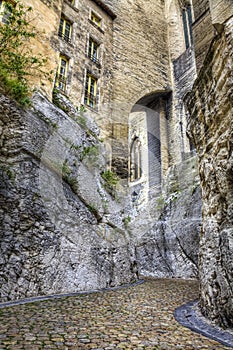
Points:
[(17, 61)]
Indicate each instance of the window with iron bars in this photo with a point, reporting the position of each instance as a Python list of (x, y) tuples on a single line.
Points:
[(61, 76), (93, 51), (65, 30), (90, 97), (95, 19)]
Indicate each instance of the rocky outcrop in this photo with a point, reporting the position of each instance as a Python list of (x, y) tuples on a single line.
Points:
[(211, 128), (64, 229), (169, 246), (56, 231)]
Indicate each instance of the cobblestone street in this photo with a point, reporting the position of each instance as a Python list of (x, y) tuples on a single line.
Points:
[(135, 317)]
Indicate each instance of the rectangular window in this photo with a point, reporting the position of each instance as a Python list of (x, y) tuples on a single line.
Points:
[(90, 91), (65, 30), (5, 11), (62, 73), (95, 19), (187, 25), (93, 50)]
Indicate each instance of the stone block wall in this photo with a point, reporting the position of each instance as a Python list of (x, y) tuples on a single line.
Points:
[(45, 17), (211, 128), (140, 50), (221, 10), (203, 31)]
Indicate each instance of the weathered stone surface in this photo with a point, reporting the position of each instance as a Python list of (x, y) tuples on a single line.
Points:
[(169, 247), (221, 10), (61, 230), (211, 128), (55, 235)]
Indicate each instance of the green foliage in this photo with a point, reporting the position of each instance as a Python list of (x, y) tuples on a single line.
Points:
[(160, 201), (126, 220), (111, 180), (67, 176), (91, 207), (17, 62), (89, 151), (54, 125), (8, 171), (72, 181), (105, 204), (81, 119)]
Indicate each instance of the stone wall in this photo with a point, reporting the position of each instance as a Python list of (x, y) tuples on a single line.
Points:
[(203, 30), (211, 128), (221, 10), (45, 17), (140, 50)]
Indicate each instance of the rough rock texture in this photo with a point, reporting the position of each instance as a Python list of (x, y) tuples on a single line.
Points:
[(56, 235), (62, 231), (169, 246), (211, 125)]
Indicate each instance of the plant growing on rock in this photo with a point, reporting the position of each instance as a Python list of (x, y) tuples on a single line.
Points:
[(17, 62), (90, 151), (110, 181)]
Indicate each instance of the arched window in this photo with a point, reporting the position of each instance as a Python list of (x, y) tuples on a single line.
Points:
[(135, 160)]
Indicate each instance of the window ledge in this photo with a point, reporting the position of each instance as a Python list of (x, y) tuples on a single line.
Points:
[(136, 182), (92, 109), (97, 64), (96, 26), (72, 6), (65, 41)]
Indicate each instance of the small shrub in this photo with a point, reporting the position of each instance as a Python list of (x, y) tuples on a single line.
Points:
[(66, 171), (126, 220), (17, 63), (160, 202), (89, 151), (110, 181), (91, 207)]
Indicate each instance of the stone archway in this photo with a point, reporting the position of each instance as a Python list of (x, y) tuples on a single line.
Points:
[(148, 122)]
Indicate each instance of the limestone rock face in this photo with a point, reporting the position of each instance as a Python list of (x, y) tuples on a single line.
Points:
[(211, 127), (62, 231), (169, 248), (55, 232)]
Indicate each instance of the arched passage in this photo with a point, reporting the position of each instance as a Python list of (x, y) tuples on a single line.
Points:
[(148, 122)]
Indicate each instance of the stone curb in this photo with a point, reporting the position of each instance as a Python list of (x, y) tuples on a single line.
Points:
[(59, 296), (187, 316)]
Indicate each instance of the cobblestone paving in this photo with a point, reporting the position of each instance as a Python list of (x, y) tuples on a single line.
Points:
[(136, 317)]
